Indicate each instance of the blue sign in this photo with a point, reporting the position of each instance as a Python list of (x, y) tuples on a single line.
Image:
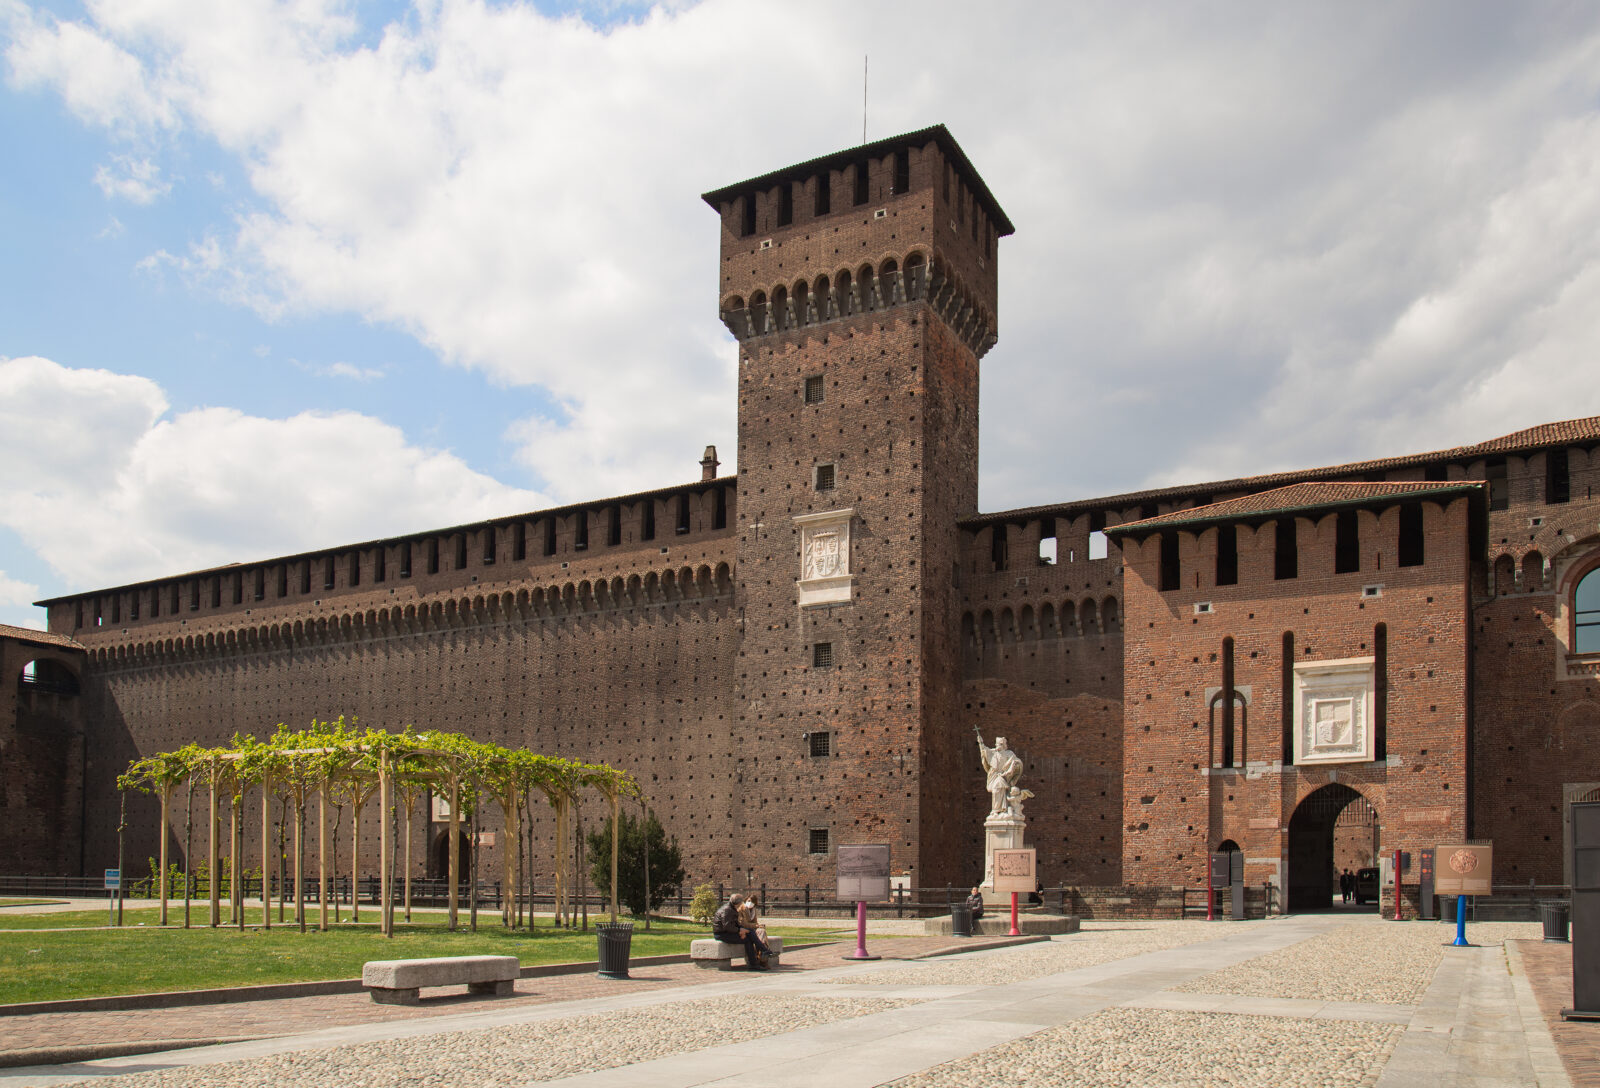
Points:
[(114, 879)]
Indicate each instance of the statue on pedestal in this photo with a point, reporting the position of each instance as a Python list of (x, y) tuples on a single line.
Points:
[(1003, 767)]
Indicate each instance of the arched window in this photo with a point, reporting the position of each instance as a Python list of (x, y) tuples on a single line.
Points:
[(1586, 614)]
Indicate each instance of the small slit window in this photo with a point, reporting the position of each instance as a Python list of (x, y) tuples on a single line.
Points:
[(815, 390), (824, 478), (822, 655), (821, 745)]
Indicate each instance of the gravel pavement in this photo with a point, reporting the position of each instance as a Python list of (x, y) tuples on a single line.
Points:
[(1144, 1048), (522, 1053), (1095, 943), (1364, 961)]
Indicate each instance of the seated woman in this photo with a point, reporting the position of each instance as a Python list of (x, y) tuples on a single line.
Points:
[(725, 927), (749, 920), (975, 904)]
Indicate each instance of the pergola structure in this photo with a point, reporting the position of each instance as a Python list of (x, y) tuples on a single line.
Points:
[(338, 763)]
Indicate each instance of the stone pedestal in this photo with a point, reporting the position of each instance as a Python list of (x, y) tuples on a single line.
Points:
[(999, 833)]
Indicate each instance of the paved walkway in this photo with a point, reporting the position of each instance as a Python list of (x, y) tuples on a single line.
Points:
[(1119, 1004)]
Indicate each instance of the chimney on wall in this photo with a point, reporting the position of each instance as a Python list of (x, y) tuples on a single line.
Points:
[(709, 463)]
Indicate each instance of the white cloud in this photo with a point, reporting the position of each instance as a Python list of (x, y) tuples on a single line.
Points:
[(14, 593), (134, 179), (1256, 239), (103, 483)]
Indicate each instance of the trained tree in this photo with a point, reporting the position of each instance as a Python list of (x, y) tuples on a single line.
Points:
[(636, 841)]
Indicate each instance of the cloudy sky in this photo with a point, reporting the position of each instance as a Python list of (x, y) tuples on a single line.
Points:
[(276, 276)]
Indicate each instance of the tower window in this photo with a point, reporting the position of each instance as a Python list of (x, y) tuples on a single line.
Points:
[(815, 389), (823, 202), (1437, 473), (133, 607), (238, 587), (580, 530), (1286, 556), (785, 204), (719, 511), (1380, 691), (902, 170), (821, 745), (433, 556), (683, 513), (1228, 555), (216, 593), (999, 548), (1346, 542), (1169, 561), (1499, 492), (822, 655), (1586, 614), (747, 215), (490, 543), (1557, 479), (824, 478), (647, 520), (862, 192), (355, 568), (327, 573), (461, 551), (1411, 546), (305, 576), (405, 560), (283, 584), (614, 525), (519, 541), (818, 840), (380, 564), (549, 536)]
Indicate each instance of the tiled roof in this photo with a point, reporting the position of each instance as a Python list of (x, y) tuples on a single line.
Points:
[(1302, 496), (42, 638), (1566, 432)]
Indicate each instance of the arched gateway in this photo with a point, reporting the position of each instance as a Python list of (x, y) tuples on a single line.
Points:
[(1334, 813)]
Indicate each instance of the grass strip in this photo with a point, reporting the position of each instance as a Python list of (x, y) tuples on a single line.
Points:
[(50, 964)]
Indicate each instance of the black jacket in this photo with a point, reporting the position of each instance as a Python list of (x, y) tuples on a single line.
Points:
[(725, 923)]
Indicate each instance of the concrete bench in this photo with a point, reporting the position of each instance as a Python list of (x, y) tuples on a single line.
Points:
[(396, 982), (712, 953)]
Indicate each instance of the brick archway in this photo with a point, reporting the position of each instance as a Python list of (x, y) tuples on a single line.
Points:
[(1312, 882)]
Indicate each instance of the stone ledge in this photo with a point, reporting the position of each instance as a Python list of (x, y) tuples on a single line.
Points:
[(999, 925)]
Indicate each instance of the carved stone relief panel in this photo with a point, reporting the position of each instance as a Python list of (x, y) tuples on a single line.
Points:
[(1333, 711), (825, 576)]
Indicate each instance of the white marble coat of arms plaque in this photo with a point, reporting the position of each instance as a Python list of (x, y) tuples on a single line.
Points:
[(825, 558), (1333, 711)]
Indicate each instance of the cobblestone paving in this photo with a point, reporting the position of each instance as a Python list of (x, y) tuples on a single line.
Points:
[(522, 1053), (1096, 943), (1146, 1048), (1364, 961)]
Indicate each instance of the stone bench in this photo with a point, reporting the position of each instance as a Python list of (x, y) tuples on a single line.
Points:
[(712, 953), (397, 982)]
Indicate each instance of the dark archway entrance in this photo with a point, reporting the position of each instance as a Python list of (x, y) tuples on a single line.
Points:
[(439, 857), (1313, 867)]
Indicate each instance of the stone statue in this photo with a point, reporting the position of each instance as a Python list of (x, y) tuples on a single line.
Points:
[(1003, 767), (1014, 799)]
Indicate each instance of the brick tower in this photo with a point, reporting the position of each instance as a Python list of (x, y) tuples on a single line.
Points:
[(862, 289)]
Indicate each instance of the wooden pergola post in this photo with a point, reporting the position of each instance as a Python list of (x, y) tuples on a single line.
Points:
[(455, 844), (385, 903), (266, 847), (165, 793), (213, 885), (322, 853), (616, 837)]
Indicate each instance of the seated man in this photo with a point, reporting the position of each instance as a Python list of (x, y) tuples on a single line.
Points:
[(975, 904), (725, 927)]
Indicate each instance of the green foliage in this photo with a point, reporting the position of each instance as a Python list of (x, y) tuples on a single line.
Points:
[(666, 863), (704, 905)]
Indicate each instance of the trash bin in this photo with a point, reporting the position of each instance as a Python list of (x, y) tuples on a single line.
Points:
[(1447, 908), (615, 938), (1554, 913), (961, 920)]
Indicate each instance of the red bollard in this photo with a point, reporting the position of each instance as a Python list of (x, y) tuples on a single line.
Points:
[(1015, 932)]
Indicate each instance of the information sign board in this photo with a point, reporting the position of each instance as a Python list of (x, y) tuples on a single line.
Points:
[(114, 879), (863, 873), (1014, 871), (1463, 868)]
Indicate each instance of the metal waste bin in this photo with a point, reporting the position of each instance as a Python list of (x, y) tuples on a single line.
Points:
[(960, 920), (615, 939), (1554, 913), (1447, 908)]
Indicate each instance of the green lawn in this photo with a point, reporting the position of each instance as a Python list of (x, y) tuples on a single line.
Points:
[(40, 965)]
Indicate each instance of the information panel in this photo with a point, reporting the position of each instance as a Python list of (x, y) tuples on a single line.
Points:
[(1463, 869), (863, 873), (1014, 871)]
